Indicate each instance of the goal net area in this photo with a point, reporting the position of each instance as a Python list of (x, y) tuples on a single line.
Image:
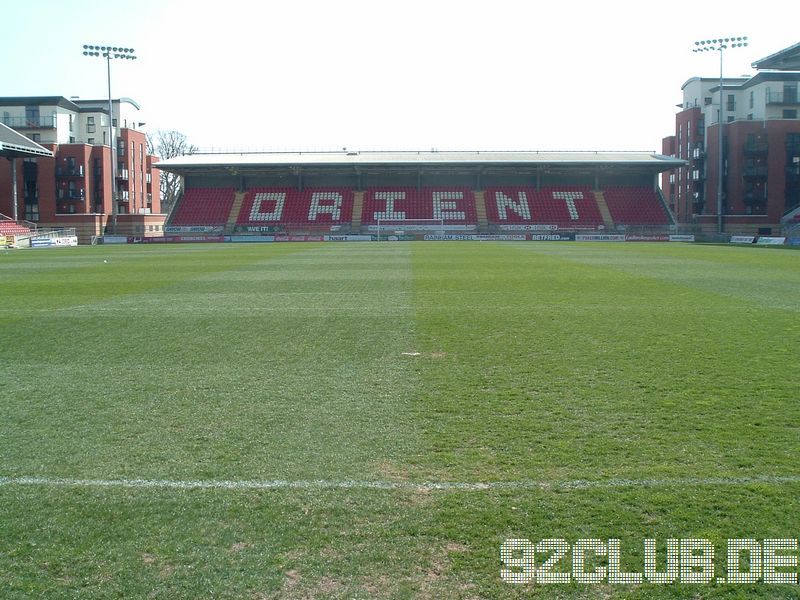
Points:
[(405, 226)]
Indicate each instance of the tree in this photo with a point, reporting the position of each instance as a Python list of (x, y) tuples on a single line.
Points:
[(169, 144)]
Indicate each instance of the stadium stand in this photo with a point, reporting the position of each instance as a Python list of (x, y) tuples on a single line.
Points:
[(11, 227), (313, 208), (635, 206), (203, 206), (452, 205), (567, 207)]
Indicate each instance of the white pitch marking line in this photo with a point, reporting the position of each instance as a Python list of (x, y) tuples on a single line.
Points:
[(276, 484)]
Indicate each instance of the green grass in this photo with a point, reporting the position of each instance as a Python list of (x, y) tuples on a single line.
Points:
[(529, 365)]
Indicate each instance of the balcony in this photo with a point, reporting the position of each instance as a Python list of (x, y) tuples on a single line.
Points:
[(123, 196), (77, 194), (69, 171), (783, 98), (123, 174), (793, 173), (757, 148), (30, 122), (698, 154), (755, 172), (698, 175)]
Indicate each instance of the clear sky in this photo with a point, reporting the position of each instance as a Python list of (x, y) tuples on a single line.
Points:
[(411, 75)]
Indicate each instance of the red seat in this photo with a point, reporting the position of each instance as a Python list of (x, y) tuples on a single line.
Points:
[(565, 207), (11, 227), (635, 206), (204, 207), (312, 208), (398, 205)]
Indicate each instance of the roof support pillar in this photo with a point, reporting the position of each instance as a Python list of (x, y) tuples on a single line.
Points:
[(14, 199)]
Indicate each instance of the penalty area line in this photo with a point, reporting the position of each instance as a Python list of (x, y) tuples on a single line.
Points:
[(348, 484)]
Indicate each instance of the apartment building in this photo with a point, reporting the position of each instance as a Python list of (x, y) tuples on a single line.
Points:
[(75, 188), (760, 148)]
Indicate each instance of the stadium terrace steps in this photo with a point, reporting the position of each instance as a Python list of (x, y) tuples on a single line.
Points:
[(233, 217), (480, 210), (603, 207), (358, 206)]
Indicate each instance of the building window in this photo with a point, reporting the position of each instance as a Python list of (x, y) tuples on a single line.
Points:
[(32, 116), (71, 122), (731, 103), (72, 139), (752, 98), (90, 141), (789, 113), (35, 137)]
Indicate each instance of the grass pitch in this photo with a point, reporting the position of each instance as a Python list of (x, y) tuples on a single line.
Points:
[(374, 420)]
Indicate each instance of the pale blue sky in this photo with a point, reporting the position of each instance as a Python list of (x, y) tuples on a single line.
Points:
[(451, 75)]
